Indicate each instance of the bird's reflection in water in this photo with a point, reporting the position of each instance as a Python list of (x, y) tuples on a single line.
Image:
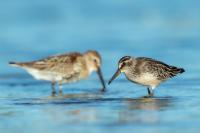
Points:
[(94, 107), (73, 115), (144, 110), (78, 96), (76, 109), (143, 103)]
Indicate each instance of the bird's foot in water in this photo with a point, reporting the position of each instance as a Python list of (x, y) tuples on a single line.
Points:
[(149, 96), (53, 94), (103, 90)]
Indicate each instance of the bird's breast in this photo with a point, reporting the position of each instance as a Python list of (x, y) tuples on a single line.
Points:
[(146, 79)]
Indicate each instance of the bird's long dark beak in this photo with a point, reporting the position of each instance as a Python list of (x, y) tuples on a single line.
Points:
[(115, 76), (101, 79)]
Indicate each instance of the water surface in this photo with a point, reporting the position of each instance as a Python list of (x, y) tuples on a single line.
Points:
[(164, 30)]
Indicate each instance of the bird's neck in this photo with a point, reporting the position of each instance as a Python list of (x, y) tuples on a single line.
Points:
[(90, 66)]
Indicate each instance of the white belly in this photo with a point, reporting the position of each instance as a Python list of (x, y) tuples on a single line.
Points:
[(44, 75), (147, 79)]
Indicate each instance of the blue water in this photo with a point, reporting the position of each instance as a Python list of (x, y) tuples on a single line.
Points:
[(164, 30)]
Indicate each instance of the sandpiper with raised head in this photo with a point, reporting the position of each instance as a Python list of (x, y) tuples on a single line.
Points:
[(64, 68), (146, 71)]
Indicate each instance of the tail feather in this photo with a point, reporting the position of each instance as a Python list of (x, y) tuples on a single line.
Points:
[(176, 70), (182, 70), (15, 64)]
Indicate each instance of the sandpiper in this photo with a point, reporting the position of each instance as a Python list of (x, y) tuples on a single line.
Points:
[(146, 71), (64, 68)]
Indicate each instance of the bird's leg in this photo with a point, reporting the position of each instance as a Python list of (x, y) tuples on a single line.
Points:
[(150, 92), (53, 88), (60, 88)]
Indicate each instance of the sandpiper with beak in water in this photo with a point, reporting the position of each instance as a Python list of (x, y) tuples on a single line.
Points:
[(146, 71), (65, 68)]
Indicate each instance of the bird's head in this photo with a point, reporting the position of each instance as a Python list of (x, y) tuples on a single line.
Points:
[(123, 65), (94, 61)]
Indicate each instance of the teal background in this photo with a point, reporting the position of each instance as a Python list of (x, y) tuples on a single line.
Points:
[(165, 30)]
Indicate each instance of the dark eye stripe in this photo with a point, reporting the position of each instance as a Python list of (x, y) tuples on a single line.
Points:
[(123, 59), (123, 64)]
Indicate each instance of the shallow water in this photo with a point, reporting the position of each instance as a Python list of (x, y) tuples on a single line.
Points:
[(165, 30)]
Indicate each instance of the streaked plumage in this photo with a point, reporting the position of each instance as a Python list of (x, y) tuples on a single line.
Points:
[(146, 71), (65, 68)]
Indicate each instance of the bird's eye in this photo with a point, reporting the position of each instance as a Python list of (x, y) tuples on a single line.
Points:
[(122, 65), (95, 60)]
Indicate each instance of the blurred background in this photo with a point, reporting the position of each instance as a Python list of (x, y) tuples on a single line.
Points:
[(165, 30)]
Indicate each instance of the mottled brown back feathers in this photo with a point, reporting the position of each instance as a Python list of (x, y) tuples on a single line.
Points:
[(160, 69)]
